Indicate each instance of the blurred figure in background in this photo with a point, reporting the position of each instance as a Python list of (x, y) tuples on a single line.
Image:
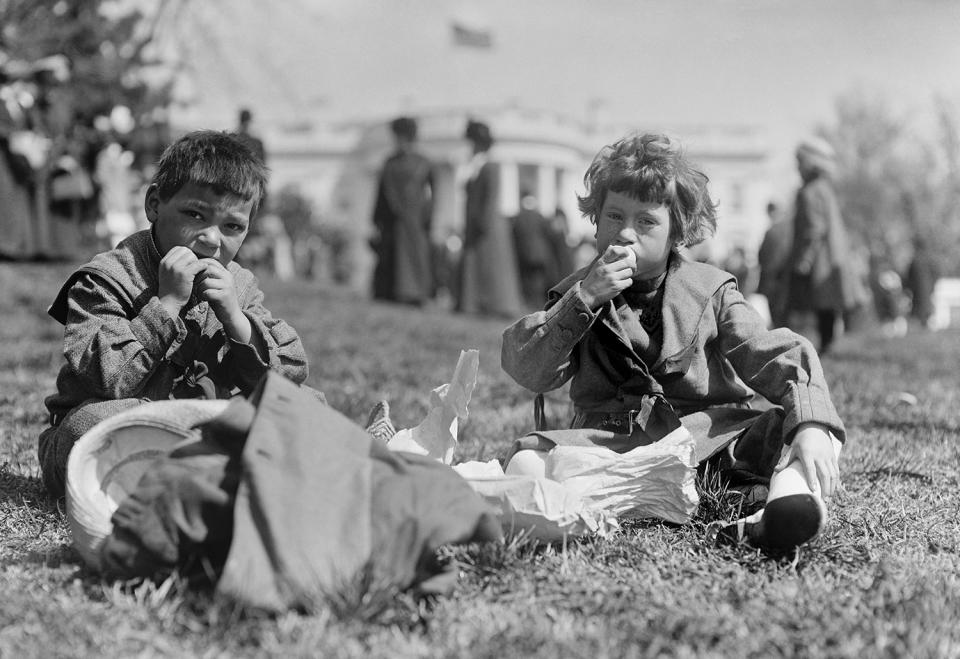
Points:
[(244, 121), (921, 279), (244, 131), (402, 218), (562, 252), (891, 301), (534, 252), (773, 262), (488, 281), (737, 264), (114, 175), (820, 280), (16, 180)]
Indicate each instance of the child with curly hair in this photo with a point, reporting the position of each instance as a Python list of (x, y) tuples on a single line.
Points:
[(651, 341)]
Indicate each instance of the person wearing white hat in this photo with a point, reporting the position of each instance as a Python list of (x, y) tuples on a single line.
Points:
[(820, 281)]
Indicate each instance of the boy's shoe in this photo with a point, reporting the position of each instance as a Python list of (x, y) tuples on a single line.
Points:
[(782, 526), (379, 425)]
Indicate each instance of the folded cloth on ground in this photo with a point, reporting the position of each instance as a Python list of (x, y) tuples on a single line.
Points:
[(285, 502)]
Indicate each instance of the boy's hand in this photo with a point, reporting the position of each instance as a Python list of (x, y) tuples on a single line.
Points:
[(178, 269), (610, 275), (813, 447), (216, 286)]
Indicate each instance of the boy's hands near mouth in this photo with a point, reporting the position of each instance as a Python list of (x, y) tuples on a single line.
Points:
[(178, 269)]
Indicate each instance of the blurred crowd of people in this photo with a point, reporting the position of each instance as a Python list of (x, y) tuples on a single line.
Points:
[(69, 185), (66, 185), (500, 266), (809, 274), (807, 264)]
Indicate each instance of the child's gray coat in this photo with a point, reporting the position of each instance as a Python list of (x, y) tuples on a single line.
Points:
[(716, 352), (121, 347)]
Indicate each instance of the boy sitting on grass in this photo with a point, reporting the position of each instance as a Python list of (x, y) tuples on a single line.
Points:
[(168, 313), (651, 341)]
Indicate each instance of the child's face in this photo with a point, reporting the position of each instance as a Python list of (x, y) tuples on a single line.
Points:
[(642, 226), (212, 225)]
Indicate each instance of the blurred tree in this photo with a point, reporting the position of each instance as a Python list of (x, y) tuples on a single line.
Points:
[(87, 69), (895, 181)]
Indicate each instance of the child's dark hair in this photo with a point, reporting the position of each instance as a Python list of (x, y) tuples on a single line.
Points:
[(218, 159), (652, 168)]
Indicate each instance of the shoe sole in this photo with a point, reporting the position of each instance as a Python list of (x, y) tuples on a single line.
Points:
[(791, 521)]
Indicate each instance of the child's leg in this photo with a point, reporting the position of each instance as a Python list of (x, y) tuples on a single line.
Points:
[(527, 462), (793, 514), (53, 449)]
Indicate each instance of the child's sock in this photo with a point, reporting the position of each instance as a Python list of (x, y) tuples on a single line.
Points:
[(379, 425)]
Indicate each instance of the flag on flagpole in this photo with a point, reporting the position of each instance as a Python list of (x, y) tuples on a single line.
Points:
[(471, 37)]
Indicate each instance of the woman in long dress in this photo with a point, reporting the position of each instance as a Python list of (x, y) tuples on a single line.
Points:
[(489, 283)]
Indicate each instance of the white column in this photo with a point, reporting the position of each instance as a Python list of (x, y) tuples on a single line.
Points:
[(572, 185), (447, 202), (509, 188), (547, 189)]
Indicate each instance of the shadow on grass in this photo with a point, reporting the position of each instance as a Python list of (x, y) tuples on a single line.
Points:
[(34, 523), (25, 490)]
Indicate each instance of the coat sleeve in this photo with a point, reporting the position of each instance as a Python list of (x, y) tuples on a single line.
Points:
[(275, 345), (111, 352), (779, 364), (539, 350)]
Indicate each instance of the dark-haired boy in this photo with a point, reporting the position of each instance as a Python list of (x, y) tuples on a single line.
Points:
[(168, 313)]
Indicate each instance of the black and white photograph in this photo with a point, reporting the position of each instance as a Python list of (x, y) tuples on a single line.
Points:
[(480, 328)]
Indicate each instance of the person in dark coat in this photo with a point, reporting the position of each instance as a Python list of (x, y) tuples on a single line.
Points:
[(773, 260), (534, 252), (562, 263), (820, 280), (488, 282), (921, 279), (402, 218)]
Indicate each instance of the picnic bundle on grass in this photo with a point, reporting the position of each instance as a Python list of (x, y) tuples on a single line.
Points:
[(289, 500), (585, 489)]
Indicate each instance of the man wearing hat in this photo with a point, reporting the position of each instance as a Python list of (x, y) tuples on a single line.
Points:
[(819, 278)]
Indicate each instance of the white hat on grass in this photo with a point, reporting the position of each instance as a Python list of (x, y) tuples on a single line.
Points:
[(107, 462)]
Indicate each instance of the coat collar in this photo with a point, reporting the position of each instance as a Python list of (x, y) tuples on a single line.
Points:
[(688, 289)]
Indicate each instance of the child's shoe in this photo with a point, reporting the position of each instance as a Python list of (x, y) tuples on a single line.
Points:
[(782, 526), (379, 425)]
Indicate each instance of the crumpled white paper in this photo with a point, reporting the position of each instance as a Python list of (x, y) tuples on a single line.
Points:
[(539, 507), (656, 480), (585, 489), (436, 436)]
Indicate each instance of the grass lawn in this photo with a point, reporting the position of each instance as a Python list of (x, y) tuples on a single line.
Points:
[(883, 581)]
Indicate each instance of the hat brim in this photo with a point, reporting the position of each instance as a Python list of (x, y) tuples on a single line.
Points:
[(107, 462)]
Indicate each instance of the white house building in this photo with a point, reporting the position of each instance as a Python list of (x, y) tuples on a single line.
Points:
[(546, 153)]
